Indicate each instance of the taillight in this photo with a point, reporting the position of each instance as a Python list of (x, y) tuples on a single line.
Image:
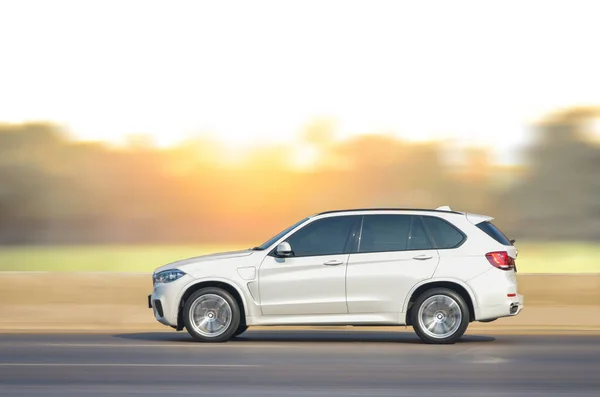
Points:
[(501, 260)]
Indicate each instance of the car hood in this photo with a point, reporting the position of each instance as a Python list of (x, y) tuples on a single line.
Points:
[(204, 258)]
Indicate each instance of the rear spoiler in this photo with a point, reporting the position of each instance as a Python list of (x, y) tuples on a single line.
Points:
[(477, 219), (473, 218)]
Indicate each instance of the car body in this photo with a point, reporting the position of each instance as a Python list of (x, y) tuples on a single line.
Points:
[(436, 270)]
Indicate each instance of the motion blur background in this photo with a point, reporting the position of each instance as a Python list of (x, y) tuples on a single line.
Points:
[(137, 133)]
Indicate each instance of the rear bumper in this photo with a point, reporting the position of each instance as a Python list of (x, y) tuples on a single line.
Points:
[(511, 307)]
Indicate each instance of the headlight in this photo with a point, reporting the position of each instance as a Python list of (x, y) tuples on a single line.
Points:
[(166, 276)]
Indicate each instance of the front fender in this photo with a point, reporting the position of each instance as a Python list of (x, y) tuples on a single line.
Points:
[(213, 279)]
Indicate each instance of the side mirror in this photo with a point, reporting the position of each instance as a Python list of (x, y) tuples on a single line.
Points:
[(284, 249)]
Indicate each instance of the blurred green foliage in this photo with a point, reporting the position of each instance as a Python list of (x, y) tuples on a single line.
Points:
[(116, 258), (533, 257)]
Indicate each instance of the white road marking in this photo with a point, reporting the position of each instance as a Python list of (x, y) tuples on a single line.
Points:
[(173, 344), (489, 360), (468, 350), (121, 365)]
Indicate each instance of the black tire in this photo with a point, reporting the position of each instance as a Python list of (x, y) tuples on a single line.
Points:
[(241, 329), (204, 300), (453, 318)]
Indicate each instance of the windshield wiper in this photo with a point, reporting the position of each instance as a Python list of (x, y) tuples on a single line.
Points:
[(257, 249)]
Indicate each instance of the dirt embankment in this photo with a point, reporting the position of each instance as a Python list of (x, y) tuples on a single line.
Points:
[(117, 301)]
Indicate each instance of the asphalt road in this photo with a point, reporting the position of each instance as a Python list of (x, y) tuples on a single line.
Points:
[(298, 363)]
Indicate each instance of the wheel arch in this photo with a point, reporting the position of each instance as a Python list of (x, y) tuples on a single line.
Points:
[(455, 285), (226, 285)]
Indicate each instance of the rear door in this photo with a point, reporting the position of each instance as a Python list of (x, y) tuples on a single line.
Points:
[(394, 254)]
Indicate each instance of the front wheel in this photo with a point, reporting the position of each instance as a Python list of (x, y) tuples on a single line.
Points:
[(440, 316), (211, 315)]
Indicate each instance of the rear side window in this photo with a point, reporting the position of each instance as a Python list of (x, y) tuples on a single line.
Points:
[(418, 239), (384, 233), (494, 232), (444, 234)]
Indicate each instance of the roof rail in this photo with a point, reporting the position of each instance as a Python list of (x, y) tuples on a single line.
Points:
[(439, 209)]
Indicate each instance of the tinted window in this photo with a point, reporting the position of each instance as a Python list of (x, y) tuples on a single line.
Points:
[(443, 233), (326, 236), (418, 239), (384, 233), (494, 232)]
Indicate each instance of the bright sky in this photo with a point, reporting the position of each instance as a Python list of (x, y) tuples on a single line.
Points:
[(250, 71)]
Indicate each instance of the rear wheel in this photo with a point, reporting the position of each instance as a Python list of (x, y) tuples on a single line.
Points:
[(440, 315), (211, 315), (241, 329)]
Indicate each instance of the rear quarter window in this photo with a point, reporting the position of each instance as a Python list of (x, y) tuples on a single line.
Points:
[(444, 234), (491, 230)]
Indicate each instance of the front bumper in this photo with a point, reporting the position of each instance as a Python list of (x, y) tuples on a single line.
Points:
[(164, 301)]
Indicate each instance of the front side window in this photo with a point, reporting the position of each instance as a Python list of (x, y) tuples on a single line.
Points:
[(444, 235), (327, 236)]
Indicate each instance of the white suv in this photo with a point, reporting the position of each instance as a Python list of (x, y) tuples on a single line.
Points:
[(436, 270)]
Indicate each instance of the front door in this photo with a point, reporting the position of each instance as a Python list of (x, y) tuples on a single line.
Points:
[(313, 279)]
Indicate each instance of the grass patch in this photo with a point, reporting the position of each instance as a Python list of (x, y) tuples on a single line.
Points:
[(558, 257), (533, 257), (100, 258)]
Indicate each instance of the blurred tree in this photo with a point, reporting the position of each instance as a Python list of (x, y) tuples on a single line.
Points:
[(560, 196), (54, 190)]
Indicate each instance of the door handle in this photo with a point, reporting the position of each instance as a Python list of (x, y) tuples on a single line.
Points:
[(334, 262), (422, 257)]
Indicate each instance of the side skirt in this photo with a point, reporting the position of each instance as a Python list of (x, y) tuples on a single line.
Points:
[(371, 319)]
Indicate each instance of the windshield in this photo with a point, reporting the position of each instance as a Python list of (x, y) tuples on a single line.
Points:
[(279, 235)]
